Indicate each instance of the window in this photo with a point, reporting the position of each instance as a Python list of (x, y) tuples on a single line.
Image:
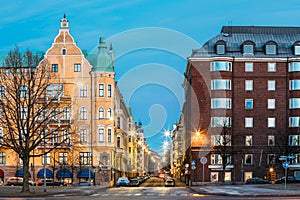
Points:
[(271, 140), (101, 134), (46, 157), (294, 140), (85, 158), (220, 84), (221, 140), (101, 113), (271, 159), (66, 113), (297, 49), (271, 49), (109, 113), (129, 149), (63, 158), (248, 103), (248, 122), (77, 67), (23, 89), (220, 121), (109, 90), (83, 115), (129, 139), (271, 67), (220, 66), (55, 138), (294, 67), (2, 91), (23, 113), (248, 140), (248, 67), (55, 90), (83, 91), (271, 85), (248, 159), (296, 160), (83, 135), (64, 51), (294, 103), (248, 85), (54, 67), (216, 159), (271, 103), (54, 113), (248, 49), (271, 122), (1, 134), (1, 112), (294, 84), (220, 49), (65, 136), (119, 142), (101, 90), (294, 121), (2, 158), (221, 103), (109, 134)]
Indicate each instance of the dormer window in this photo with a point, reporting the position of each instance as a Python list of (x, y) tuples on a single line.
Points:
[(271, 48), (248, 48), (297, 48), (220, 47)]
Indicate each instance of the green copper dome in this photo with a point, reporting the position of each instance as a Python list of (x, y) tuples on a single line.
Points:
[(103, 60)]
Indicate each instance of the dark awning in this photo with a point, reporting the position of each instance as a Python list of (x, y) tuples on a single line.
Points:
[(85, 173), (1, 173), (63, 173), (49, 173), (20, 172)]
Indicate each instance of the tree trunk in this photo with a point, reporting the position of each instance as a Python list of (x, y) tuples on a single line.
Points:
[(25, 187)]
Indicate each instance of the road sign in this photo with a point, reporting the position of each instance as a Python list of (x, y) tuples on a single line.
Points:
[(285, 165), (193, 167), (203, 160), (193, 163)]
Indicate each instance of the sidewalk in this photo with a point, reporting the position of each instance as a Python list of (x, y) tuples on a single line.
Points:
[(249, 190), (38, 191)]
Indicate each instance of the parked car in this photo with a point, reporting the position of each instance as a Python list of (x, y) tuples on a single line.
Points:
[(134, 182), (85, 183), (15, 181), (256, 181), (51, 182), (169, 182), (123, 181), (290, 179), (140, 179)]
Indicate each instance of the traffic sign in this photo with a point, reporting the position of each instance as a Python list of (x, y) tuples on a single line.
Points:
[(193, 167), (285, 165), (193, 163), (203, 160)]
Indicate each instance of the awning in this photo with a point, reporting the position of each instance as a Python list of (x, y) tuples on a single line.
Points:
[(1, 173), (63, 173), (20, 172), (85, 173), (49, 173)]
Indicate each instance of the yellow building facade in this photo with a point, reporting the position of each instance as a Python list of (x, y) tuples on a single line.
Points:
[(103, 138)]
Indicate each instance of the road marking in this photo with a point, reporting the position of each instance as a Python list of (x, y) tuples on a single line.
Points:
[(94, 195)]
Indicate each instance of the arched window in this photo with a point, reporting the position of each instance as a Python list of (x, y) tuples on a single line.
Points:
[(248, 47), (64, 51), (83, 113), (271, 48), (101, 113)]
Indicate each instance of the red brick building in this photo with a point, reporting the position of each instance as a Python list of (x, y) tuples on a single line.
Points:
[(244, 82)]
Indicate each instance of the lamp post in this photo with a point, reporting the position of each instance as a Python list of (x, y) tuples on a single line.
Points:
[(44, 162)]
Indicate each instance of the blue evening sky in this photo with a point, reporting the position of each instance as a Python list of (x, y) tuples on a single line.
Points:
[(151, 39)]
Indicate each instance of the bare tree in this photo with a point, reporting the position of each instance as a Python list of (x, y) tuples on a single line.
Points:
[(30, 107), (222, 147)]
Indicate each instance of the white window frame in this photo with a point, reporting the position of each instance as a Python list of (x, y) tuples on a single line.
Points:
[(248, 101), (248, 67), (271, 67), (248, 122), (271, 140), (271, 85), (248, 140), (251, 159), (271, 103), (271, 122), (248, 85)]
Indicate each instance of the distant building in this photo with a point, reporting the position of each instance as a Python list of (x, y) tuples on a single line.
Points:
[(246, 80)]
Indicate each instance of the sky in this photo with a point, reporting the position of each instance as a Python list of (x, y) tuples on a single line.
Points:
[(151, 39)]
